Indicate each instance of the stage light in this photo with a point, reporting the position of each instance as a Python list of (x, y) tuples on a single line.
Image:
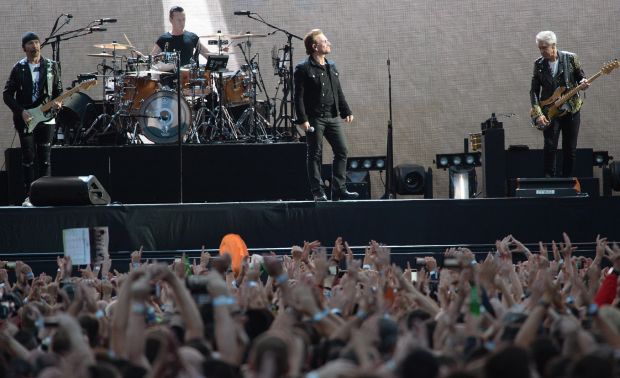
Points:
[(413, 179), (600, 158), (366, 163), (463, 182), (471, 159)]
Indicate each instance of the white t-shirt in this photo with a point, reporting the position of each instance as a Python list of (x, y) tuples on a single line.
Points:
[(34, 71), (554, 67)]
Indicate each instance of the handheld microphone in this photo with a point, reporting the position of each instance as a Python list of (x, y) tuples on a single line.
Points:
[(68, 15), (311, 129), (242, 13), (103, 20), (97, 29)]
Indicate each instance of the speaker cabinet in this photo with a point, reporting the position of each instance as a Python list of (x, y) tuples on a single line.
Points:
[(68, 191)]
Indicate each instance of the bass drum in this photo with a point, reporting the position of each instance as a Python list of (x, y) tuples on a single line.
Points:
[(159, 117)]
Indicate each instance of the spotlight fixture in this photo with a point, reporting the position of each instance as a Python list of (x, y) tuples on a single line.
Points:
[(366, 163), (461, 160), (413, 179), (601, 158)]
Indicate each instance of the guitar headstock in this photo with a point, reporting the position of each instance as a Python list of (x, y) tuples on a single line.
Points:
[(88, 84), (607, 68)]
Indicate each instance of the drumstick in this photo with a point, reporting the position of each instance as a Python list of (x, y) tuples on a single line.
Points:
[(131, 45)]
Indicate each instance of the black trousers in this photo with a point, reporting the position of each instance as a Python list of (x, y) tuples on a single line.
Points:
[(331, 129), (36, 148), (568, 125)]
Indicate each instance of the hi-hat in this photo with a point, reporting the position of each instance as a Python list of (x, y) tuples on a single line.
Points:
[(113, 45), (233, 36), (101, 55)]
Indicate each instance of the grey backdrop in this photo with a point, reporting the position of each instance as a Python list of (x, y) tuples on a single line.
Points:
[(453, 62)]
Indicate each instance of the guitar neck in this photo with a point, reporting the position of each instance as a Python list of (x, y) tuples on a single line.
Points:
[(47, 106), (574, 91)]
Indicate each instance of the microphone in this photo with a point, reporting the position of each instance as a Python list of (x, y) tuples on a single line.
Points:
[(311, 129), (68, 15), (242, 13), (97, 29), (103, 20)]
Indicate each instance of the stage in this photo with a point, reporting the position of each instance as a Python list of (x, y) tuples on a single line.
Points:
[(410, 226)]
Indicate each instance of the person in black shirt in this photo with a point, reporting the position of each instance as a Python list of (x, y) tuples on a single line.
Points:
[(178, 39), (33, 81), (318, 100)]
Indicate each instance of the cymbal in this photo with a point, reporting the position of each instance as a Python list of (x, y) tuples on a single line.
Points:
[(248, 35), (101, 55), (113, 45), (233, 36), (149, 72)]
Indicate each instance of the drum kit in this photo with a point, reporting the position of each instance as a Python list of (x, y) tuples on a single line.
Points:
[(141, 100)]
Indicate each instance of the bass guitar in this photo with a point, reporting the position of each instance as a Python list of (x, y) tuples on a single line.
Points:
[(552, 106)]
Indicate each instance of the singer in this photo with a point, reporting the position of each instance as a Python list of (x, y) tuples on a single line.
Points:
[(33, 81), (318, 100), (178, 39)]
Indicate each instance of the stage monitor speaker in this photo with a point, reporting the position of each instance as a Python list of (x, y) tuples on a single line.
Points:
[(493, 163), (68, 191), (549, 187)]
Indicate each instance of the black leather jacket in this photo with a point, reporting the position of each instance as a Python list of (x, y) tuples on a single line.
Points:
[(17, 94), (544, 84), (308, 86)]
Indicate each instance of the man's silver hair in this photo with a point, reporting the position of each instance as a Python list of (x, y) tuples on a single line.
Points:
[(547, 37)]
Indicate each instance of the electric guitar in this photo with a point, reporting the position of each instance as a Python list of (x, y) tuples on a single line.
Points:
[(552, 106), (44, 113)]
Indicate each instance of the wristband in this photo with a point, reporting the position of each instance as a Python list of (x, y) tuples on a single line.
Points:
[(234, 284), (366, 267), (336, 311), (282, 278), (99, 314), (593, 309), (223, 300), (361, 314), (320, 316), (138, 308)]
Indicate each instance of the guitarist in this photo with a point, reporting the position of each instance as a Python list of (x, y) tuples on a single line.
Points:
[(552, 70), (33, 81)]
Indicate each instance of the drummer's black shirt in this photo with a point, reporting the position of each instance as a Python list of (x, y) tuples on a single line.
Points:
[(185, 43)]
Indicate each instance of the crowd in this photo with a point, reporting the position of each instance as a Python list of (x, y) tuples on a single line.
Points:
[(319, 313)]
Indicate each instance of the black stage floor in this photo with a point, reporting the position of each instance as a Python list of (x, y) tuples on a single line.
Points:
[(36, 233)]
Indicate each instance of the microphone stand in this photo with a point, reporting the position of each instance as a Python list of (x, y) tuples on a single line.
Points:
[(288, 89), (180, 125), (389, 185), (55, 39)]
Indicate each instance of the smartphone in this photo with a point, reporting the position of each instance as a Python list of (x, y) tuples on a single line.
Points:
[(420, 261), (414, 275), (333, 270)]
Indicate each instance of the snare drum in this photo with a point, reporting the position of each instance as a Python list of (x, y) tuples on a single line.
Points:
[(236, 89), (195, 81), (136, 89)]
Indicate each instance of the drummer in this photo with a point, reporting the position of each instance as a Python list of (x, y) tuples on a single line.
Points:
[(181, 40)]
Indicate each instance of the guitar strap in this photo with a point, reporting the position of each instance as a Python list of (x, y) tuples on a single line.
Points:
[(50, 77)]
